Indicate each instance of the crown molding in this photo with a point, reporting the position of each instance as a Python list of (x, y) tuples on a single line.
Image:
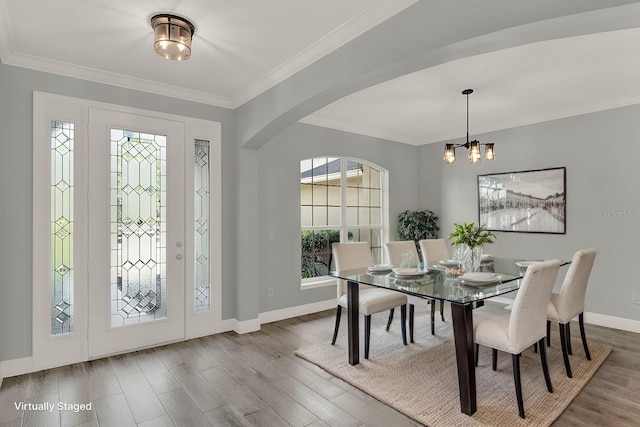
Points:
[(361, 23), (369, 18), (579, 110), (99, 76)]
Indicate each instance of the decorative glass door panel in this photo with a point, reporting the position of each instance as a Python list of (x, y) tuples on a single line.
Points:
[(127, 215), (138, 227), (201, 201), (136, 231), (62, 225)]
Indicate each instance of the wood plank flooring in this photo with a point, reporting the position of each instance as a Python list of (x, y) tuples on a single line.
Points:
[(255, 380)]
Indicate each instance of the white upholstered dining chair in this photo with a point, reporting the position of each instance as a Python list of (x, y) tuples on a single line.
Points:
[(433, 251), (569, 303), (395, 254), (523, 326), (357, 255)]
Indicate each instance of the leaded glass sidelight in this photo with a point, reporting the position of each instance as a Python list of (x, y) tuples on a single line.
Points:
[(138, 227), (202, 228), (62, 223)]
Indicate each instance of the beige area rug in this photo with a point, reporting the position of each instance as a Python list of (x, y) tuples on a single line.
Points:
[(420, 379)]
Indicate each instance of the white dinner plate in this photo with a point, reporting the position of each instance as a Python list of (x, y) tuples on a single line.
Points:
[(450, 262), (479, 278), (379, 268), (408, 272), (525, 264)]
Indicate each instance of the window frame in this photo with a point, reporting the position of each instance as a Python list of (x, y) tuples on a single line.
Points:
[(344, 227)]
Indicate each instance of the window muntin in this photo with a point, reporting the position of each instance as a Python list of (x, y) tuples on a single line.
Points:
[(340, 200)]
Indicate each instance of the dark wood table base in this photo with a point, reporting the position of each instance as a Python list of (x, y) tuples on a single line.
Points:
[(463, 336)]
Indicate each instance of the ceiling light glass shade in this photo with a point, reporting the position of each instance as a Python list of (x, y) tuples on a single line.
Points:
[(449, 153), (172, 36), (474, 151), (489, 153), (473, 146)]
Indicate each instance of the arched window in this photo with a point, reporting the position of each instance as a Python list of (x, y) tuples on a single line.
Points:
[(341, 200)]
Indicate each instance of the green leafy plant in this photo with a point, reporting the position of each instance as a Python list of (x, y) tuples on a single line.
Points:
[(417, 225), (471, 235)]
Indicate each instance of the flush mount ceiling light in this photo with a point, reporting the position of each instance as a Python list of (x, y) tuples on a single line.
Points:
[(473, 146), (172, 36)]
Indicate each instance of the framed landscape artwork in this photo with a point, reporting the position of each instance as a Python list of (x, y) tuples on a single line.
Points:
[(532, 201)]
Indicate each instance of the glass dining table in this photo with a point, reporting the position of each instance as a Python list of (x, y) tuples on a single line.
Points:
[(436, 282)]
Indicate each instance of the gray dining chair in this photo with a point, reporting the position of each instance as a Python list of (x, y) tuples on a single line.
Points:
[(357, 255), (433, 251), (569, 303), (523, 326), (395, 254)]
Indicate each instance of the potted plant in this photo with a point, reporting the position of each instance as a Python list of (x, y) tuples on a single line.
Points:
[(417, 225), (473, 237)]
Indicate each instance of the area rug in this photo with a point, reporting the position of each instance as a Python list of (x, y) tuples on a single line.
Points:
[(420, 379)]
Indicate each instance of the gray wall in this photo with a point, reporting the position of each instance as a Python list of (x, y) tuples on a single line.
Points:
[(16, 122), (424, 35), (257, 189), (599, 152), (279, 201)]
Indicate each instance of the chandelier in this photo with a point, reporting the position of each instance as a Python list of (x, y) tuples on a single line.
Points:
[(172, 36), (473, 146)]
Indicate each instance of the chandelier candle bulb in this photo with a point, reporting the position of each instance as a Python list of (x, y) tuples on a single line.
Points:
[(474, 146)]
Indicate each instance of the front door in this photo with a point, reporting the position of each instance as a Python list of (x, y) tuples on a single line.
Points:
[(136, 207)]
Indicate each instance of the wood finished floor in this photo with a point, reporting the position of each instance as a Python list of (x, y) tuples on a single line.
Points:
[(255, 380)]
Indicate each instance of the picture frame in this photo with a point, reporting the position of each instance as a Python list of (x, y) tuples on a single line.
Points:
[(530, 201)]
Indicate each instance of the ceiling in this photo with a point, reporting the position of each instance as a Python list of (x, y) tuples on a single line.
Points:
[(512, 87), (242, 48)]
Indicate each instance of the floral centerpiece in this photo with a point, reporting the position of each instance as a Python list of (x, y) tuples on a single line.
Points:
[(473, 238)]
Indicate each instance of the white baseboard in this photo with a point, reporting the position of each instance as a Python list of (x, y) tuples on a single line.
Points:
[(300, 310), (241, 326), (252, 325), (629, 325), (13, 367), (612, 322)]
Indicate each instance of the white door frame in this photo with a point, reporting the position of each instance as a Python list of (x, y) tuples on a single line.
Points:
[(49, 350), (104, 339)]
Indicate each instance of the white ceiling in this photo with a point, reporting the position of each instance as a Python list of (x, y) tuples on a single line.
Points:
[(242, 48), (512, 87)]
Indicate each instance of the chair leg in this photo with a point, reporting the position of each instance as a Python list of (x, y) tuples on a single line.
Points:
[(475, 353), (569, 339), (403, 320), (548, 333), (411, 315), (433, 317), (584, 337), (515, 360), (494, 359), (442, 309), (390, 319), (545, 367), (367, 335), (565, 354), (335, 330), (535, 347)]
